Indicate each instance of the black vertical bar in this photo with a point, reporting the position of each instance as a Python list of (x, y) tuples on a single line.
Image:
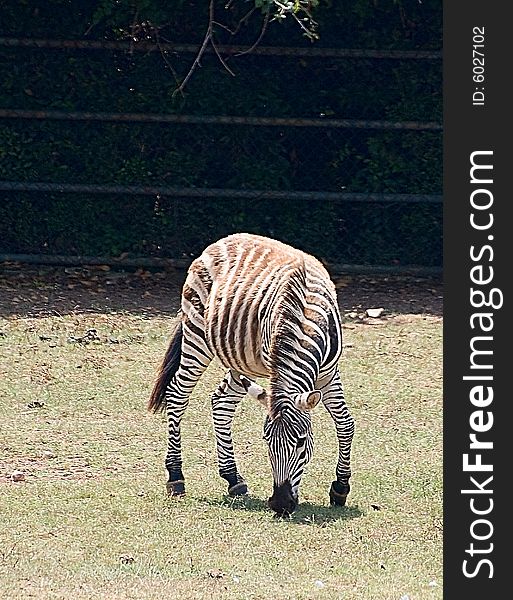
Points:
[(477, 269)]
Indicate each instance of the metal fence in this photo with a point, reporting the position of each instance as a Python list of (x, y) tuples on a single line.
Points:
[(368, 178)]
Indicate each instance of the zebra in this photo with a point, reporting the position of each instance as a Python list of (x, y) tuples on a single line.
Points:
[(264, 310)]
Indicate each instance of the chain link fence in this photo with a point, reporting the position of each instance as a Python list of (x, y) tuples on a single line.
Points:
[(337, 151)]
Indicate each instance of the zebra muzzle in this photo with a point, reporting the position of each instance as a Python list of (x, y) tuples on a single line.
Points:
[(283, 501)]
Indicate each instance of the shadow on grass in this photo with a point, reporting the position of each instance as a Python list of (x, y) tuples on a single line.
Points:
[(307, 513)]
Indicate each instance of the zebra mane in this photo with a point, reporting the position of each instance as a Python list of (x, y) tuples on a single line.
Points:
[(288, 316)]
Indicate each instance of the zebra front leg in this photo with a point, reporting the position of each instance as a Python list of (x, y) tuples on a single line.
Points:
[(224, 403), (333, 399)]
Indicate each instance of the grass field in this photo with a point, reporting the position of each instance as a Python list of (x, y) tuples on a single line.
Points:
[(90, 518)]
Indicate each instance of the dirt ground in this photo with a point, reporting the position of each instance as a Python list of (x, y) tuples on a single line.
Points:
[(33, 291)]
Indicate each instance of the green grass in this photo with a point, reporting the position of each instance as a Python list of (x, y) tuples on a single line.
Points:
[(91, 519)]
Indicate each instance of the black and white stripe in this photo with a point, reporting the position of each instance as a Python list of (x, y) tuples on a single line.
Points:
[(263, 309)]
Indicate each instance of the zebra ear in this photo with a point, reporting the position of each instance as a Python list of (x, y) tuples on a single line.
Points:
[(308, 400), (255, 391)]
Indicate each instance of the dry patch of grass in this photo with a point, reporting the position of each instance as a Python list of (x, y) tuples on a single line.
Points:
[(90, 519)]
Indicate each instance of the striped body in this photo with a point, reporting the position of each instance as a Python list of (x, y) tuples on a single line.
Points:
[(264, 309), (239, 290)]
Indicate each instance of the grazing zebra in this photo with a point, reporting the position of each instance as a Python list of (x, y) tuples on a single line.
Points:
[(264, 309)]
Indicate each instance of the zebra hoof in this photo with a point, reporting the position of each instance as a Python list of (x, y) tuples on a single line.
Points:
[(176, 488), (239, 489), (338, 493)]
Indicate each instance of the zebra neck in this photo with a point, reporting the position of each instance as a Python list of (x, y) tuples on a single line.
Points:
[(282, 405), (294, 364)]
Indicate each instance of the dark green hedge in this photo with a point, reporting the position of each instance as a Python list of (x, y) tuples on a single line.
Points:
[(181, 228), (227, 156)]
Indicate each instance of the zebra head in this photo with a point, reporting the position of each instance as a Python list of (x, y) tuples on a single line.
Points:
[(289, 437)]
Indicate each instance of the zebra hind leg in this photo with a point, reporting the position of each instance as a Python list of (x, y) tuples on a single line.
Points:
[(193, 362), (224, 403), (177, 400)]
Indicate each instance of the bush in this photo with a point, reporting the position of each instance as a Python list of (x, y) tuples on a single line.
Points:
[(221, 156)]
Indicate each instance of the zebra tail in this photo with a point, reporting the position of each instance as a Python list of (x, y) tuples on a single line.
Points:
[(167, 371)]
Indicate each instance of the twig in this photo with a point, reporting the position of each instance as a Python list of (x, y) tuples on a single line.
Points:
[(209, 39), (259, 39), (242, 20), (292, 9), (164, 57), (221, 59), (133, 30), (5, 555), (309, 33), (196, 63)]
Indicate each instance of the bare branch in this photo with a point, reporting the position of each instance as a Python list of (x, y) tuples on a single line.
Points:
[(163, 54), (284, 9), (201, 52), (259, 39), (242, 21), (221, 59), (305, 29), (209, 39)]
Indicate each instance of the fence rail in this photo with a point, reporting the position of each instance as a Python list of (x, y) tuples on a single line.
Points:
[(189, 192), (144, 46), (183, 263), (216, 120)]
